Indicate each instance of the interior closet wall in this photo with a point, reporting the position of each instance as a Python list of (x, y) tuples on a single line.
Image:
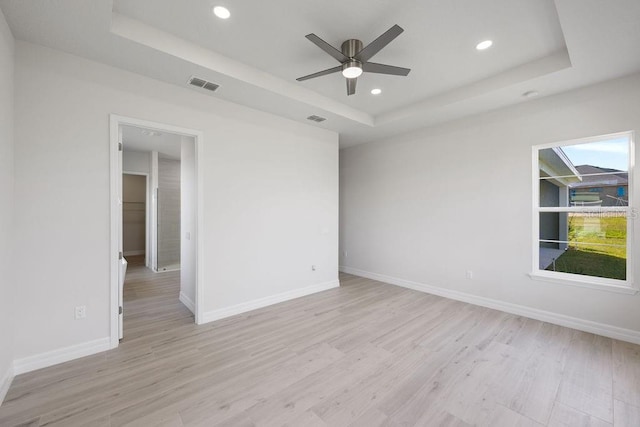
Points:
[(134, 207), (168, 200)]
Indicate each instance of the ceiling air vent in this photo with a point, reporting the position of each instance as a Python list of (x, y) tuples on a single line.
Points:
[(195, 81), (315, 118)]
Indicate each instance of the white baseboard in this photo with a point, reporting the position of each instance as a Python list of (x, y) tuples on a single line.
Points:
[(5, 383), (188, 302), (603, 329), (221, 313), (132, 253), (50, 358)]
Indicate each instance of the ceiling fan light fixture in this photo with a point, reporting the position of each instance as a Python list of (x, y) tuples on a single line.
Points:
[(221, 12), (352, 69), (354, 58), (484, 45)]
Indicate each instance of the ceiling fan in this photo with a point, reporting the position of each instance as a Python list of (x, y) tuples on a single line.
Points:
[(354, 59)]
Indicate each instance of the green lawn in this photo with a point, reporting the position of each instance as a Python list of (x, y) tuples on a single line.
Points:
[(591, 264), (587, 256)]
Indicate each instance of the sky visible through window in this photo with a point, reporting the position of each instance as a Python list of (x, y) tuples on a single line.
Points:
[(611, 153)]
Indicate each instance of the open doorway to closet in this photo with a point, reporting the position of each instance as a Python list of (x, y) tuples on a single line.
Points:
[(155, 224), (152, 209)]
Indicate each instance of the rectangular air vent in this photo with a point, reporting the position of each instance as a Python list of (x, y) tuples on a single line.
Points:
[(195, 81), (315, 118)]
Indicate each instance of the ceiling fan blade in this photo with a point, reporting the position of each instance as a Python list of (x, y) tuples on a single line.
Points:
[(339, 56), (377, 45), (351, 86), (372, 67), (320, 73)]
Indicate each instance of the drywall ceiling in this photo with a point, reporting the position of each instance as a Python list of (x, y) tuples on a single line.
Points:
[(539, 45), (139, 139)]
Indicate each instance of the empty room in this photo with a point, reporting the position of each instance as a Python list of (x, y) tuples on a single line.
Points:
[(295, 213)]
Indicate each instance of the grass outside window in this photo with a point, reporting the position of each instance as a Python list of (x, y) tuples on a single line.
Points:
[(597, 246)]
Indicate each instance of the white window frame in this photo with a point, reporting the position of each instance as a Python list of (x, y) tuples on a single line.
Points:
[(614, 285)]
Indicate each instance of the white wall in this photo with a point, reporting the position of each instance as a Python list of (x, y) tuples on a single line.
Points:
[(428, 206), (7, 283), (136, 161), (270, 189), (188, 212)]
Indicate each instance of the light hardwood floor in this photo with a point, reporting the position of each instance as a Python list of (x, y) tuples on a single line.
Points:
[(367, 354)]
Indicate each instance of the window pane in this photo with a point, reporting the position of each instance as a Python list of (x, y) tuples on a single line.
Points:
[(591, 244), (590, 174)]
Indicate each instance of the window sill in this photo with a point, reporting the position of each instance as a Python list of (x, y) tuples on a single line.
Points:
[(584, 282)]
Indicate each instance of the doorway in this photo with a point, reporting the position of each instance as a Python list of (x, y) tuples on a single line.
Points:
[(155, 209)]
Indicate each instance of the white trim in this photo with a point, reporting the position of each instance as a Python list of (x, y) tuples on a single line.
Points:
[(115, 121), (166, 270), (631, 237), (614, 285), (5, 382), (585, 140), (188, 302), (603, 329), (198, 229), (61, 355), (153, 211), (597, 210), (221, 313), (115, 231), (591, 282), (134, 253)]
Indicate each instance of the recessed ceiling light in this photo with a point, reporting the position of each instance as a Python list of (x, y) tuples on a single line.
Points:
[(530, 94), (376, 91), (221, 12), (149, 132), (484, 45)]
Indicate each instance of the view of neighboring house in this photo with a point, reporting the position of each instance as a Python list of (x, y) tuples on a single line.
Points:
[(599, 187)]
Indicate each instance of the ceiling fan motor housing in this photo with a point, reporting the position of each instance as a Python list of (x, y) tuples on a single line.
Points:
[(351, 47)]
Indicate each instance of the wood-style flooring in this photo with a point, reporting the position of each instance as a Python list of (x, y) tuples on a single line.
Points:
[(366, 354)]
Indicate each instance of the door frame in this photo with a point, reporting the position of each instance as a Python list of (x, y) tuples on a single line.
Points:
[(115, 122)]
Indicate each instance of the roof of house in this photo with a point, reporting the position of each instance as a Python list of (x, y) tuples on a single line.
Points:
[(556, 167), (594, 176)]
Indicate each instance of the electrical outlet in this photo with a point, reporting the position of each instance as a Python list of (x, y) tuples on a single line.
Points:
[(469, 274), (81, 312)]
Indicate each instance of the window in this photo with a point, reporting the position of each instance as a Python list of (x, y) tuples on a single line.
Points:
[(583, 216)]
